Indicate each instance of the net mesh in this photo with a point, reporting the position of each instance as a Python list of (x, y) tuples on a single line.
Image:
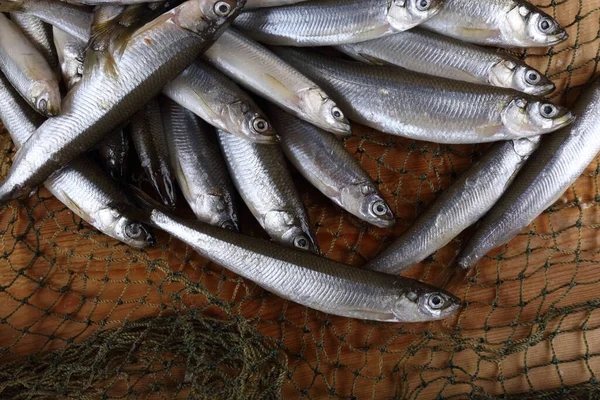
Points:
[(82, 316)]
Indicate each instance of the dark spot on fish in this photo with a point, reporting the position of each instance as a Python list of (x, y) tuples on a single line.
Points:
[(148, 41)]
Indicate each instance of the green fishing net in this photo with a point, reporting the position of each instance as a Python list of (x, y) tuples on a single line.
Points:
[(82, 316)]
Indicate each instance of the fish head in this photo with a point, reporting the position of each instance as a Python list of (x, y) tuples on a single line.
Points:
[(405, 14), (315, 101), (530, 26), (527, 117), (510, 74), (46, 98), (244, 122), (287, 229), (11, 5), (423, 303), (127, 230), (218, 209), (197, 15), (368, 203)]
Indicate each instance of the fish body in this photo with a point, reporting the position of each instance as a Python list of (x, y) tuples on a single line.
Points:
[(420, 107), (432, 54), (260, 174), (328, 166), (502, 23), (27, 69), (309, 279), (269, 3), (101, 101), (148, 134), (333, 22), (256, 68), (199, 167), (39, 34), (560, 160), (219, 101), (114, 152), (71, 56), (458, 207), (82, 185)]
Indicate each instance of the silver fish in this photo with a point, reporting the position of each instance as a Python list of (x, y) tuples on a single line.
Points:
[(332, 22), (219, 101), (71, 56), (114, 152), (269, 3), (261, 177), (309, 279), (102, 100), (259, 70), (27, 69), (82, 185), (199, 166), (432, 54), (71, 18), (420, 107), (458, 207), (325, 163), (39, 34), (502, 23), (559, 161), (148, 134)]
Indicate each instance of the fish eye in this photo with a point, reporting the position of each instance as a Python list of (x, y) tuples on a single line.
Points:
[(435, 301), (260, 125), (548, 110), (337, 114), (301, 242), (228, 225), (43, 106), (546, 25), (379, 208), (423, 5), (134, 231), (222, 9), (533, 77)]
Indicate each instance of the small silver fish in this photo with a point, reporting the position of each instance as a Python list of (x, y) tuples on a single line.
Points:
[(114, 151), (71, 56), (560, 160), (502, 23), (268, 3), (256, 68), (219, 101), (309, 279), (148, 134), (458, 207), (261, 177), (325, 163), (39, 34), (27, 69), (199, 167), (432, 54), (421, 107)]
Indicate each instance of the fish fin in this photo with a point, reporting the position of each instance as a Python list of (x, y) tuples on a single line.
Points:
[(69, 202), (181, 178), (373, 60), (489, 130), (142, 206), (477, 32), (280, 88)]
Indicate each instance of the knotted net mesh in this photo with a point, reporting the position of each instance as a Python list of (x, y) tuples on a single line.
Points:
[(82, 316)]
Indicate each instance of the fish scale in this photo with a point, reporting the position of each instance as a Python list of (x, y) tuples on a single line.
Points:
[(416, 106), (39, 34)]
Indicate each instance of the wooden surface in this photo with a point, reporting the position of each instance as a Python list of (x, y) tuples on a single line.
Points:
[(62, 280)]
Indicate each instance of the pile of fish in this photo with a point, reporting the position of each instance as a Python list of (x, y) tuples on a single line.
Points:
[(214, 95)]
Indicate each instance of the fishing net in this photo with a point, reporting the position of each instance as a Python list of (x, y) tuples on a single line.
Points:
[(82, 316)]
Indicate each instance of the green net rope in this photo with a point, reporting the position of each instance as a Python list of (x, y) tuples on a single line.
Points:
[(82, 316)]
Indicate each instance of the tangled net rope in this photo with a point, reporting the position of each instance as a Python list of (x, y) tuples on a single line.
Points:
[(82, 316)]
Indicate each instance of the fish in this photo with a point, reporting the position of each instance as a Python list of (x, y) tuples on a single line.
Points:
[(257, 69), (560, 160), (264, 182), (71, 56), (73, 19), (458, 207), (114, 151), (417, 106), (81, 186), (309, 279), (268, 3), (432, 54), (328, 166), (150, 142), (199, 166), (333, 22), (39, 34), (219, 101), (101, 101), (27, 70), (501, 23)]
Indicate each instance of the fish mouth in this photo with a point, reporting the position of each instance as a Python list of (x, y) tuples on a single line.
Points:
[(565, 120), (263, 139), (386, 221), (543, 90), (557, 38)]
